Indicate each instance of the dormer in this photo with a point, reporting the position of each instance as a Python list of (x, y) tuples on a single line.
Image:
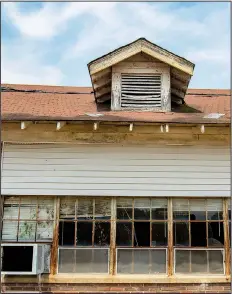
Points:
[(140, 76)]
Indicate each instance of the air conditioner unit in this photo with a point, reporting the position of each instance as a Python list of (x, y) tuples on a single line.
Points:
[(22, 259)]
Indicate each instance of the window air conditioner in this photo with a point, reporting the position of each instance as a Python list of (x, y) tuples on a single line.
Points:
[(22, 259)]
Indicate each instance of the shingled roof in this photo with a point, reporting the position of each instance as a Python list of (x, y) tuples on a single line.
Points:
[(52, 103)]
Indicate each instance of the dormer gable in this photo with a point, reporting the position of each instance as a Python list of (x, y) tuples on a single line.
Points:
[(140, 76)]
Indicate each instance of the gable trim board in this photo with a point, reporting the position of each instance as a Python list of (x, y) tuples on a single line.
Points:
[(56, 169)]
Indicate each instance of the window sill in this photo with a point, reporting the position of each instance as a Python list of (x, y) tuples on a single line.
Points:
[(88, 278)]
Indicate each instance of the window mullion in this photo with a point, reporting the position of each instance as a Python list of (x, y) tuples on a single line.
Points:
[(112, 259), (55, 243), (226, 236), (170, 238)]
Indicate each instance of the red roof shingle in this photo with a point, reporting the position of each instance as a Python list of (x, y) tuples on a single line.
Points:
[(61, 106)]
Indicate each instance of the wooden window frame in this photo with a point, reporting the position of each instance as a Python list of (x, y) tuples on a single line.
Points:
[(113, 248)]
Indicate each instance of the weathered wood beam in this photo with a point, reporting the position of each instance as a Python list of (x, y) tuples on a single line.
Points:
[(60, 124), (25, 124), (178, 93), (179, 84), (102, 92), (101, 75), (102, 84)]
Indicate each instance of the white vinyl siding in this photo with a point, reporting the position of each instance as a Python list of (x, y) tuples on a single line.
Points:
[(107, 170)]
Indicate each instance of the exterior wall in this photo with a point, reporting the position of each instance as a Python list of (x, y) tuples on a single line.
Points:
[(120, 288), (115, 171)]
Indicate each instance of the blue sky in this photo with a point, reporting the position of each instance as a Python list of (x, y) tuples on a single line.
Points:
[(51, 43)]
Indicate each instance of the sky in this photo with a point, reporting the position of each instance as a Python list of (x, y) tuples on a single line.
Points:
[(51, 43)]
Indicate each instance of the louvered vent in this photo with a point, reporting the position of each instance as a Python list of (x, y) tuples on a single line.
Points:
[(141, 91)]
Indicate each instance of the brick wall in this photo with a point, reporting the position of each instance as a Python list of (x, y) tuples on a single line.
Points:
[(119, 288)]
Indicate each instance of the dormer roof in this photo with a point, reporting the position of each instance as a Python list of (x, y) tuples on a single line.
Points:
[(100, 68)]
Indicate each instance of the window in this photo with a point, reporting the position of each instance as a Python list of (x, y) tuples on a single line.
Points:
[(141, 91), (28, 219), (197, 229), (125, 235), (84, 235), (141, 235)]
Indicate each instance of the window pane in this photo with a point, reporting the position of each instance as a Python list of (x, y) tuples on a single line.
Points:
[(180, 209), (216, 261), (159, 234), (11, 208), (124, 234), (102, 209), (198, 234), (182, 265), (124, 208), (85, 209), (181, 234), (142, 234), (26, 231), (66, 233), (215, 234), (198, 261), (197, 209), (46, 208), (44, 231), (83, 261), (159, 209), (28, 206), (102, 234), (142, 209), (141, 261), (66, 261), (214, 209), (124, 261), (9, 230), (67, 208), (84, 233), (158, 261)]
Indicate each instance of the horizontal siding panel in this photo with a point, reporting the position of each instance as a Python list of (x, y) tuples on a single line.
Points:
[(157, 154), (115, 192), (115, 174), (105, 186), (113, 180), (115, 170), (128, 168), (118, 162)]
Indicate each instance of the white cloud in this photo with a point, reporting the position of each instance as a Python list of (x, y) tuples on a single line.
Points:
[(27, 68), (199, 32)]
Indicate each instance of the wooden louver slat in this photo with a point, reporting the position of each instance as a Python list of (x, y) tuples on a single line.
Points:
[(141, 91)]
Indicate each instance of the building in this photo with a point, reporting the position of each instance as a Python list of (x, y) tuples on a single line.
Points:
[(121, 187)]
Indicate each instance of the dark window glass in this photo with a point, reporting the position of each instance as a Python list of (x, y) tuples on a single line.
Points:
[(142, 213), (159, 234), (84, 233), (124, 213), (142, 209), (124, 234), (215, 215), (181, 234), (215, 234), (102, 234), (66, 233), (159, 213), (141, 234), (198, 234)]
